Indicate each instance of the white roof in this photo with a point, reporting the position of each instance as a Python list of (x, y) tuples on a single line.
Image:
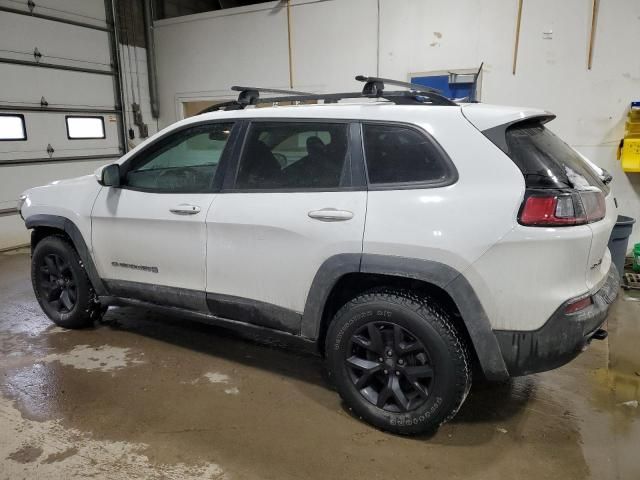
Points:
[(483, 116)]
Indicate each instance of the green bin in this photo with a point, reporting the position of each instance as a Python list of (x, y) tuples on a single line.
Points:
[(619, 240)]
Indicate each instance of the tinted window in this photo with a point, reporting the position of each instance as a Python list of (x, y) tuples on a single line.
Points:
[(184, 162), (546, 161), (294, 155), (397, 154)]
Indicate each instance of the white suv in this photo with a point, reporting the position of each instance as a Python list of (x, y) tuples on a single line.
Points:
[(409, 238)]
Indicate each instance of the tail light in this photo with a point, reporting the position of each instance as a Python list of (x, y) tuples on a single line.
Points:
[(557, 208), (578, 305)]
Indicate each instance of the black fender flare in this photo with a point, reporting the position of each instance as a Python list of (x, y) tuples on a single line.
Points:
[(73, 232), (443, 276)]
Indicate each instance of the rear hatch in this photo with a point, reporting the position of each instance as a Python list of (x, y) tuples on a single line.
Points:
[(563, 189)]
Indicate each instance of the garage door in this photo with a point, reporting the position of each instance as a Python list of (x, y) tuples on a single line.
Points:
[(60, 98)]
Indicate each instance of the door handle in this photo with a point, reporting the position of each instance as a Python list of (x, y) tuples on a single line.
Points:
[(331, 215), (185, 209)]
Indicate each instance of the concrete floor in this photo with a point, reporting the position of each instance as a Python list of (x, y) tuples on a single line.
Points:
[(144, 395)]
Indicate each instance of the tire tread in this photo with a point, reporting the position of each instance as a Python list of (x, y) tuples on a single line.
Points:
[(429, 309), (92, 310)]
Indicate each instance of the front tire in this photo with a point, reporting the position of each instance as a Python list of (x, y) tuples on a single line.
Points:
[(61, 284), (397, 361)]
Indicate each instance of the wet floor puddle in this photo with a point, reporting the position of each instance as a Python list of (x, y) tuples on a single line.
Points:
[(152, 396)]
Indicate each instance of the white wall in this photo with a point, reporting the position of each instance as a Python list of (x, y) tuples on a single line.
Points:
[(200, 56)]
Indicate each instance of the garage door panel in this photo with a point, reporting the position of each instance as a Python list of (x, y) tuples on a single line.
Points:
[(44, 129), (18, 178), (60, 153), (73, 75), (13, 231), (60, 88), (59, 43), (85, 11)]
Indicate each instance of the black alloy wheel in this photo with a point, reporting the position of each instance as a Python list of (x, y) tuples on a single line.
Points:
[(56, 280), (398, 360), (61, 284), (389, 366)]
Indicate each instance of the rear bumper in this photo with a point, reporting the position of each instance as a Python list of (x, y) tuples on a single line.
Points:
[(561, 338)]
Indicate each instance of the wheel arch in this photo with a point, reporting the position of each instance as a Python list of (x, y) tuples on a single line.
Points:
[(345, 276), (43, 225)]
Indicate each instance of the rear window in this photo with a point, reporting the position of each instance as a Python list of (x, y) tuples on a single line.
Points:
[(398, 154), (546, 161)]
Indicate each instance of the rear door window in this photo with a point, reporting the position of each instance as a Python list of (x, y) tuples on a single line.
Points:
[(398, 154), (295, 155), (546, 161)]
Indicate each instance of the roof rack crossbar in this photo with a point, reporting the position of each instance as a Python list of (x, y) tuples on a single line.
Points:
[(237, 88), (374, 87), (397, 97), (250, 95)]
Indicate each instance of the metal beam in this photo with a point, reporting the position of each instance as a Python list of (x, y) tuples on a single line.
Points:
[(108, 28), (5, 212), (152, 73), (114, 50), (79, 158), (31, 63), (517, 39), (592, 36)]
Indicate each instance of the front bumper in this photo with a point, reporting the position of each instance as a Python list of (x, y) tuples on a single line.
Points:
[(561, 338)]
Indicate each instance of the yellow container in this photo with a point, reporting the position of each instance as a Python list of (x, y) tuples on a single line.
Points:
[(630, 155), (632, 127)]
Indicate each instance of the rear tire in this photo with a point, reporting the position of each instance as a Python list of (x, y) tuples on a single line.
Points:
[(397, 361), (61, 284)]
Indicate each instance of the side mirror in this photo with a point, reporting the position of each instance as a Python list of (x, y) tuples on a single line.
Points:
[(110, 176)]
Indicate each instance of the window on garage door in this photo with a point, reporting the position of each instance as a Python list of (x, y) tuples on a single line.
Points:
[(84, 128), (12, 127)]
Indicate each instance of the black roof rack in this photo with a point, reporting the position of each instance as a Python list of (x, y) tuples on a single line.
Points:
[(250, 95), (375, 83), (374, 88)]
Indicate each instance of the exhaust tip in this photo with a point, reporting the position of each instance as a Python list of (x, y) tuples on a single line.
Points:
[(600, 334)]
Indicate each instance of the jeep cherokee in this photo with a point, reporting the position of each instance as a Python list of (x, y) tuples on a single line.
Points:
[(410, 238)]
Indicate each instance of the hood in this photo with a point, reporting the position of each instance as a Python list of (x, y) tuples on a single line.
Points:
[(75, 180)]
